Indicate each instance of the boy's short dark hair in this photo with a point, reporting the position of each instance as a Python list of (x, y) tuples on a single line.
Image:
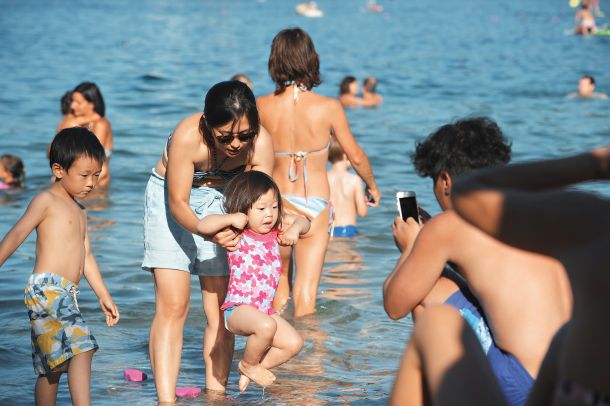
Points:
[(460, 147), (335, 152), (65, 102), (246, 188), (72, 143)]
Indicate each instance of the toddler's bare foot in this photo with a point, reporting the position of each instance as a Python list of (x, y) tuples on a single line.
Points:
[(257, 373), (244, 381)]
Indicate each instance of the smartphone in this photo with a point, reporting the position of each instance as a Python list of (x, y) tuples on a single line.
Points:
[(407, 205)]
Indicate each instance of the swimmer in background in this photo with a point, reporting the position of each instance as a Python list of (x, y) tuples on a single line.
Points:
[(243, 79), (12, 172), (346, 194), (586, 89), (369, 90), (348, 95), (584, 19)]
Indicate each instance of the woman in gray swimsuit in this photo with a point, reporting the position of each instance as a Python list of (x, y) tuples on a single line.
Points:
[(300, 123), (202, 154)]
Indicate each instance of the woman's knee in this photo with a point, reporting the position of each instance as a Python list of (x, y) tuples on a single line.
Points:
[(172, 308)]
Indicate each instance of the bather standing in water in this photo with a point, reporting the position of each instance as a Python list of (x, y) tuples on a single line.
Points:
[(300, 123)]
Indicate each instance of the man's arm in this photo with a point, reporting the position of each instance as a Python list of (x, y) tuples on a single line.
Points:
[(518, 204), (33, 216), (417, 271)]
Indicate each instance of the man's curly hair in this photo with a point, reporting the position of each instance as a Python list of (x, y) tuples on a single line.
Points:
[(461, 147)]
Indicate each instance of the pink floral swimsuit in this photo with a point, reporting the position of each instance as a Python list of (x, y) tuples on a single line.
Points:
[(255, 271)]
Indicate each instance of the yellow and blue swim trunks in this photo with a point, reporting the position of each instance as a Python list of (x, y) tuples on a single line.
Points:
[(58, 329)]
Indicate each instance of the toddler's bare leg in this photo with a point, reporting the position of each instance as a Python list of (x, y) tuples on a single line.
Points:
[(45, 390), (286, 344), (79, 378), (260, 329)]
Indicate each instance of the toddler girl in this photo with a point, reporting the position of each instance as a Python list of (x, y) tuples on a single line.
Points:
[(254, 205)]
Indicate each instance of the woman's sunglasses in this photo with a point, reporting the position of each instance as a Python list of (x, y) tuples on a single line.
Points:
[(226, 139)]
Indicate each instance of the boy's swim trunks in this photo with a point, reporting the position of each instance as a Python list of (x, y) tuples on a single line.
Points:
[(58, 329)]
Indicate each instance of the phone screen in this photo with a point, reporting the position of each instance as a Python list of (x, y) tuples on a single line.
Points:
[(408, 207)]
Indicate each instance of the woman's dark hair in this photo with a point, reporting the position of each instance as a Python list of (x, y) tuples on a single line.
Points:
[(92, 94), (344, 85), (14, 165), (460, 147), (72, 143), (246, 188), (227, 102), (293, 57)]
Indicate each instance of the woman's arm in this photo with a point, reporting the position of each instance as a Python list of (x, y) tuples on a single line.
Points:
[(354, 152), (179, 173), (262, 157)]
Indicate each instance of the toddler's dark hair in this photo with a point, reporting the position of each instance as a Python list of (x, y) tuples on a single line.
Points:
[(460, 147), (14, 165), (246, 188), (72, 143), (335, 152), (65, 102)]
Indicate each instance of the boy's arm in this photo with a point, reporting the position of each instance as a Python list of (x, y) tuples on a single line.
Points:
[(293, 226), (33, 216), (417, 270), (94, 277), (214, 223), (522, 205), (362, 208)]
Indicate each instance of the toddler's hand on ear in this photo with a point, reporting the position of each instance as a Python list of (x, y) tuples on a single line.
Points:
[(239, 220)]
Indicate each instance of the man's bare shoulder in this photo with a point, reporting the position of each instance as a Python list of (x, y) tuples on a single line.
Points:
[(449, 228)]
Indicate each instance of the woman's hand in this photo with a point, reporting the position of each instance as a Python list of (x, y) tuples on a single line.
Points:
[(227, 239), (405, 233), (373, 196)]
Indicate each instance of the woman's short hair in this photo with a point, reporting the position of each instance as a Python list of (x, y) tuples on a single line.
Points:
[(293, 57), (14, 165), (246, 188), (344, 85), (92, 94), (227, 102)]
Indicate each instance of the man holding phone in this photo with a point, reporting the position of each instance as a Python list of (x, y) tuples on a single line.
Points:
[(525, 296)]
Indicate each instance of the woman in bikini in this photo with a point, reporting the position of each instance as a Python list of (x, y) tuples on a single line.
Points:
[(87, 109), (300, 123), (201, 155)]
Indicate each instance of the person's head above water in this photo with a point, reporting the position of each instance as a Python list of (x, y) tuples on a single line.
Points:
[(87, 98), (586, 86), (230, 120), (65, 102), (348, 85), (458, 148), (243, 79), (12, 170), (370, 84), (255, 194), (293, 58)]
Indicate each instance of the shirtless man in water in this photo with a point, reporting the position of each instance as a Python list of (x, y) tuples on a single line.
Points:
[(525, 296)]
